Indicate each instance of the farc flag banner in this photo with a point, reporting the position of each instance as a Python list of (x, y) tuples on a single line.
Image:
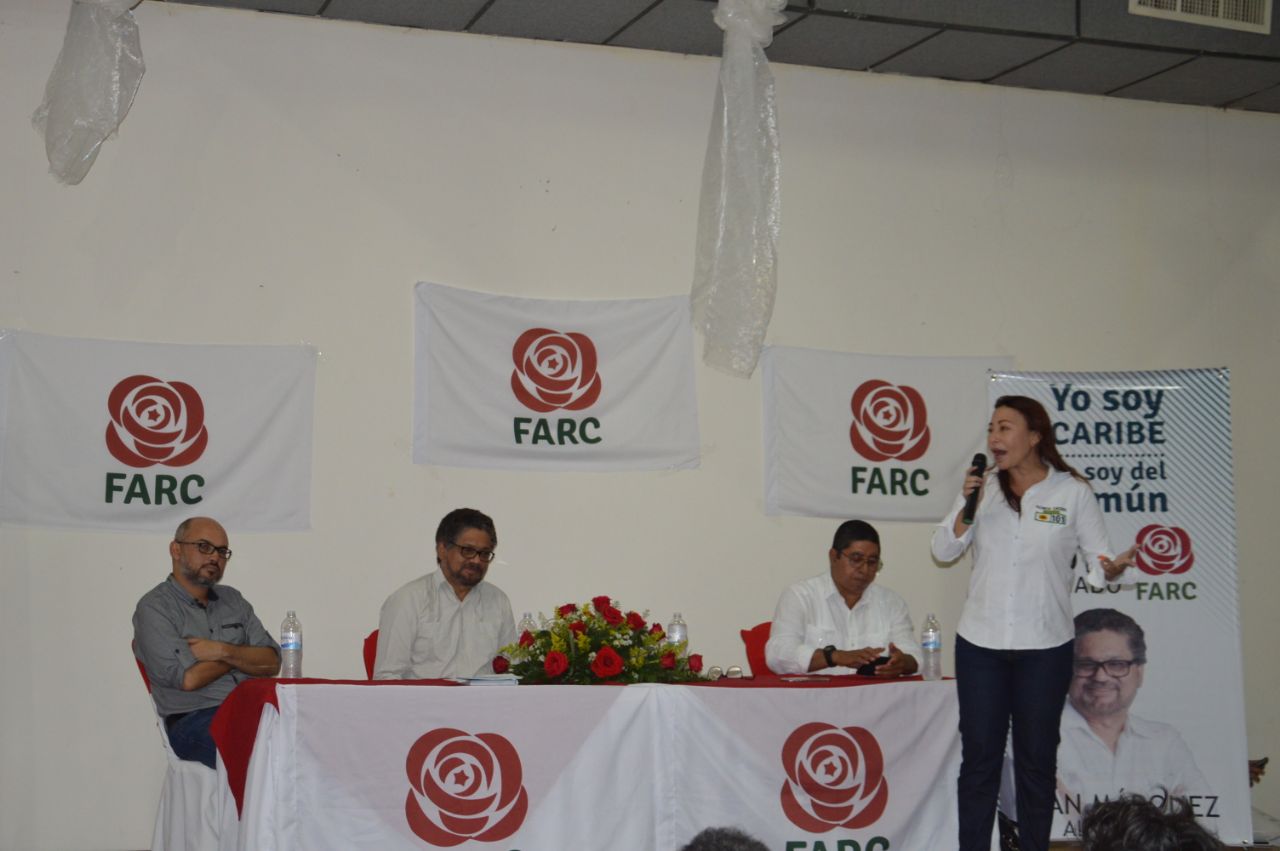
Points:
[(138, 436), (534, 384), (1156, 705), (871, 436)]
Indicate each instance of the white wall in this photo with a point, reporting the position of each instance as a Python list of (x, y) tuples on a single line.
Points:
[(283, 180)]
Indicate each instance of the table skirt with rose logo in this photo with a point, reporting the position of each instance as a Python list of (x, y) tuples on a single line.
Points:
[(315, 765)]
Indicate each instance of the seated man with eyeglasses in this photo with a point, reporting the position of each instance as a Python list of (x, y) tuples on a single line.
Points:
[(195, 642), (449, 623), (1105, 748), (839, 622)]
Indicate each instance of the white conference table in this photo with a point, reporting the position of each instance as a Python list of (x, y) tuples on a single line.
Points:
[(854, 765)]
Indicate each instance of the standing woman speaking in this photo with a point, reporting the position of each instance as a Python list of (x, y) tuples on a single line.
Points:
[(1014, 641)]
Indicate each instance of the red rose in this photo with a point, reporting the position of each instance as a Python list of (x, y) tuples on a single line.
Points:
[(555, 664), (155, 422), (526, 639), (567, 609), (668, 660), (1164, 550), (607, 663), (500, 664), (464, 787), (695, 662), (835, 778), (657, 630), (554, 370), (612, 616), (635, 621), (601, 603), (577, 627), (889, 422)]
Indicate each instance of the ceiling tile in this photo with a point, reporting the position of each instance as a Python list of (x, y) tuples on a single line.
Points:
[(1267, 101), (679, 26), (1208, 81), (963, 55), (1090, 68), (828, 41), (292, 7), (1046, 17), (589, 21), (1112, 21), (435, 15)]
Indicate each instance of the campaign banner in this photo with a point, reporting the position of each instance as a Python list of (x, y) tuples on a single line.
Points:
[(139, 436), (871, 436), (539, 384), (1156, 706)]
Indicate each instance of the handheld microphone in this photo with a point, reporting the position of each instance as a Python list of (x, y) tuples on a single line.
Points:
[(971, 501)]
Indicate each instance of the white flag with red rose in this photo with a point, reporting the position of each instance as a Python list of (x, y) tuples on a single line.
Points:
[(540, 384), (872, 436), (1156, 448), (138, 436)]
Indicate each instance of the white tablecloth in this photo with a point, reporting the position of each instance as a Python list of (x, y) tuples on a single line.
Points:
[(643, 767)]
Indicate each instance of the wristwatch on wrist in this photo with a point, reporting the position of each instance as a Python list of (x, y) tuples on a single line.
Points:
[(826, 654)]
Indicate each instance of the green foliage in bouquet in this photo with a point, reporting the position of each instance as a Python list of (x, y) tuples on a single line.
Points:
[(595, 643)]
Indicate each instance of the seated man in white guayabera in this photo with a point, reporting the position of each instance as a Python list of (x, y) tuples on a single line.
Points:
[(450, 622), (839, 621), (197, 639)]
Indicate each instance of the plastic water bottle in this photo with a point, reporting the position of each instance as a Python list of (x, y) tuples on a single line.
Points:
[(291, 646), (527, 624), (677, 631), (931, 643)]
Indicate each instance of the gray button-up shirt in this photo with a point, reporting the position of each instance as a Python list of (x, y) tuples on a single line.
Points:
[(166, 616)]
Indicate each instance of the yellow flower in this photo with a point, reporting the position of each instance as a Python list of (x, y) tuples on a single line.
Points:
[(584, 641), (558, 642)]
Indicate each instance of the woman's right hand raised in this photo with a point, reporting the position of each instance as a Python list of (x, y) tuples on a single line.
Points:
[(972, 482)]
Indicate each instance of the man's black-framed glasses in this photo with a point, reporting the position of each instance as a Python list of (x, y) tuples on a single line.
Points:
[(1118, 668), (469, 553), (207, 548), (858, 560)]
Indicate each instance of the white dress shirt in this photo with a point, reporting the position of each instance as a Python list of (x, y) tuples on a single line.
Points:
[(1149, 755), (811, 614), (1020, 588), (426, 632)]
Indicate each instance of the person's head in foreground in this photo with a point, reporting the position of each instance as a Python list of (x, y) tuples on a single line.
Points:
[(723, 839), (1133, 823)]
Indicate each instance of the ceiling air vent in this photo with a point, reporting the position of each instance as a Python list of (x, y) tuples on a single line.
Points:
[(1248, 15)]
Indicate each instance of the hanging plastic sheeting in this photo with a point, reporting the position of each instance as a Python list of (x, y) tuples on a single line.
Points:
[(91, 87), (735, 273)]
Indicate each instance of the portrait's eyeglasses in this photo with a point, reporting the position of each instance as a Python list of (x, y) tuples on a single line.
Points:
[(1118, 668), (207, 548), (485, 556), (859, 560)]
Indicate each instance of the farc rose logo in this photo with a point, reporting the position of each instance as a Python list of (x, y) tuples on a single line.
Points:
[(464, 787), (835, 778), (1164, 550), (555, 370), (889, 422), (155, 422)]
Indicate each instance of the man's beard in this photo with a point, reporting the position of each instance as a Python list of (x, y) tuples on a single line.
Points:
[(196, 576)]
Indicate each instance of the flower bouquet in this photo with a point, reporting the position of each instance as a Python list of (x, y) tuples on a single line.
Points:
[(594, 643)]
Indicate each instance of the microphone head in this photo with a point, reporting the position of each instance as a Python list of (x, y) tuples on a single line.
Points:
[(979, 463)]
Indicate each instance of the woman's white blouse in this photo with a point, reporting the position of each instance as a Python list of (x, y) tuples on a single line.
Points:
[(1020, 588)]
